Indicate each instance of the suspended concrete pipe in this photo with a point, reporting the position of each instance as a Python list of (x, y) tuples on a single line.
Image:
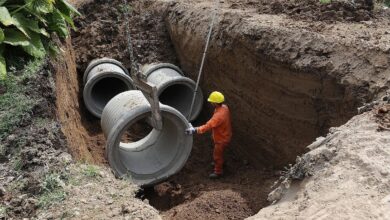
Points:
[(174, 89), (153, 158), (103, 79)]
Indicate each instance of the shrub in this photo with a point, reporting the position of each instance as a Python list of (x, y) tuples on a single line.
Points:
[(29, 25)]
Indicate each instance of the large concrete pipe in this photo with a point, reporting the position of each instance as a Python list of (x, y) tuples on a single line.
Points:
[(103, 79), (155, 157), (174, 89)]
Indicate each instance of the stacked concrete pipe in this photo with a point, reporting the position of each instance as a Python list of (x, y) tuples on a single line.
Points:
[(155, 157), (103, 79), (174, 89)]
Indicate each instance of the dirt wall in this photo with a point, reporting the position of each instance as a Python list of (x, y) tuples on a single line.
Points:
[(85, 144), (349, 176), (286, 84)]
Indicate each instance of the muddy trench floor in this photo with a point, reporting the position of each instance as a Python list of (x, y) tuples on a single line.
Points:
[(190, 194), (241, 192)]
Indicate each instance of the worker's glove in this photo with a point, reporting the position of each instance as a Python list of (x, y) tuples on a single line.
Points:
[(190, 131)]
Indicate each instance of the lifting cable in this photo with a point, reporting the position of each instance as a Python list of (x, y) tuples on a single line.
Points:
[(204, 56), (134, 69)]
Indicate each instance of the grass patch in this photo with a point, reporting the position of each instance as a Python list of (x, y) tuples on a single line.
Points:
[(15, 105), (17, 185), (49, 198), (17, 164), (53, 191), (52, 182), (91, 171), (325, 1), (3, 150), (42, 122), (3, 211)]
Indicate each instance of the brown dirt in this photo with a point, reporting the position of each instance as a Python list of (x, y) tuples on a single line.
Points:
[(34, 149), (81, 139), (382, 117), (94, 193), (103, 34), (287, 79), (179, 198), (314, 10), (96, 38), (99, 38), (349, 176)]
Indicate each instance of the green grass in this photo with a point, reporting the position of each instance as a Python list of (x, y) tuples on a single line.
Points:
[(91, 171), (17, 185), (325, 1), (17, 164), (3, 211), (15, 105), (49, 198), (2, 150), (53, 191), (52, 182)]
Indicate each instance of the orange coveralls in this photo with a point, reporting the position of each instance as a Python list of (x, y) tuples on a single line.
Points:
[(220, 124)]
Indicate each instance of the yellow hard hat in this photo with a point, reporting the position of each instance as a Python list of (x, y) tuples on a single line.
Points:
[(216, 97)]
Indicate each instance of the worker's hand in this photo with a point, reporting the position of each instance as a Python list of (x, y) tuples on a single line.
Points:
[(190, 131)]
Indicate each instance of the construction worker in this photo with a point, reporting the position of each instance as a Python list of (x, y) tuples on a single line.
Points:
[(220, 124)]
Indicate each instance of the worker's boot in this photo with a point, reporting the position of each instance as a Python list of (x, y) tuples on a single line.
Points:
[(215, 176)]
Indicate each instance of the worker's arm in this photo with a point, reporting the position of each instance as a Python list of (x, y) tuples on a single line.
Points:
[(215, 121)]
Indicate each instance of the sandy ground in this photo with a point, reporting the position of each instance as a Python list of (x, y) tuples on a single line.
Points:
[(94, 193), (350, 177)]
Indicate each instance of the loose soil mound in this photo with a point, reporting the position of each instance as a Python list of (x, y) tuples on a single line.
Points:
[(102, 33), (94, 193), (360, 10), (350, 176)]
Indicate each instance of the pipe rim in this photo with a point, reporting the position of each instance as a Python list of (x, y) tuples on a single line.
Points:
[(87, 93), (191, 84), (161, 66), (113, 146), (103, 60)]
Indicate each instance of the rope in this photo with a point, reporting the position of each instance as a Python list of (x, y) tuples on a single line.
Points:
[(204, 57), (134, 65)]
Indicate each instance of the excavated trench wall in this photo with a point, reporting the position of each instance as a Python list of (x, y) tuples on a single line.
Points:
[(285, 87)]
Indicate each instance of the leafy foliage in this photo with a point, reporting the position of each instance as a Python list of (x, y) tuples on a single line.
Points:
[(28, 25)]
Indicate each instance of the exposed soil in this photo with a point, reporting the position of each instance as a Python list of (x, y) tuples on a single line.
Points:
[(288, 79), (94, 193), (240, 193), (31, 151), (99, 38), (103, 34), (349, 176), (345, 11)]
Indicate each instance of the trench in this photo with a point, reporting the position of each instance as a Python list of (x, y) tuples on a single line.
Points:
[(285, 110)]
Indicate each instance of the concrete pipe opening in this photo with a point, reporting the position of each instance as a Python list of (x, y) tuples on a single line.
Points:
[(158, 155), (103, 79), (174, 89)]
